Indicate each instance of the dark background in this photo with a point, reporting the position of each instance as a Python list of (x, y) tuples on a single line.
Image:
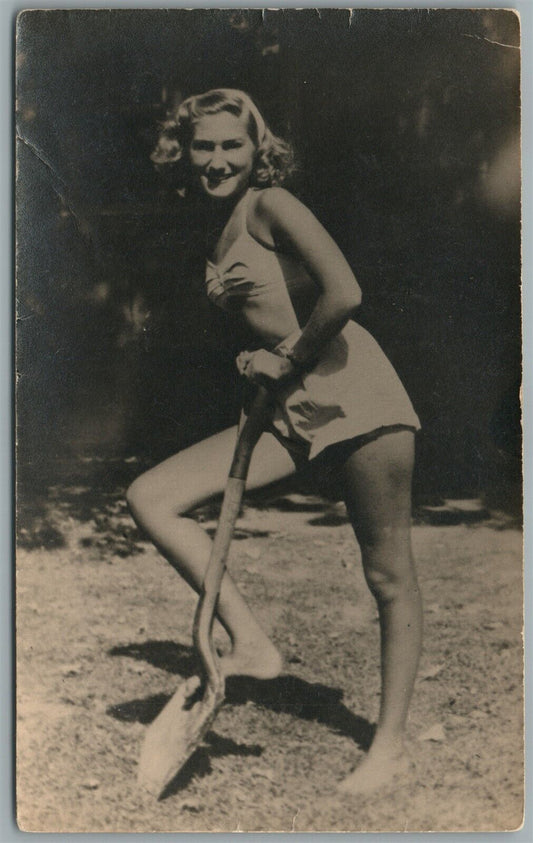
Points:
[(406, 127)]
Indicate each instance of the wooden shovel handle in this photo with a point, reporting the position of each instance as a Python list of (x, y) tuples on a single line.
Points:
[(253, 427)]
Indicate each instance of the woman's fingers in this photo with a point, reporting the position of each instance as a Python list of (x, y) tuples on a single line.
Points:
[(251, 364), (243, 361), (263, 367)]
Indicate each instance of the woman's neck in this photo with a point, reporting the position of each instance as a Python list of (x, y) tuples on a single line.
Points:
[(219, 213), (222, 209)]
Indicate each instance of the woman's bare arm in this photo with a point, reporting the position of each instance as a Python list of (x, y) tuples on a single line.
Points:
[(295, 229)]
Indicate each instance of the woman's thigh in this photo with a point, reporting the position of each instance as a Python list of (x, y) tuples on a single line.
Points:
[(377, 481), (199, 472)]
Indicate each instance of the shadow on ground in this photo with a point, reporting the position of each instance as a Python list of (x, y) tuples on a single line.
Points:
[(199, 764), (286, 694), (165, 655), (307, 700)]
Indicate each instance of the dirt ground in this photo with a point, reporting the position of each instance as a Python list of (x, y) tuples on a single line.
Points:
[(104, 638)]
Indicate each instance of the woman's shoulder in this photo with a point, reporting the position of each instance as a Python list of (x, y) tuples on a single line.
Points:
[(274, 208), (263, 214), (274, 200)]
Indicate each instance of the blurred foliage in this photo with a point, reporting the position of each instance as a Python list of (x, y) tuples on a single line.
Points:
[(406, 126)]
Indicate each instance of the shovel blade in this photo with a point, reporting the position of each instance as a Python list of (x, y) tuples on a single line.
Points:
[(175, 733)]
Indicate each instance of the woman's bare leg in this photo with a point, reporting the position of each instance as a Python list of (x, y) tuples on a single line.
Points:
[(378, 498), (158, 500)]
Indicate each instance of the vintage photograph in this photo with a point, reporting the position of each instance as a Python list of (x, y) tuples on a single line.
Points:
[(269, 570)]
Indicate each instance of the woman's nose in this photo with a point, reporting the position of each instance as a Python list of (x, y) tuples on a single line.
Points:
[(217, 161)]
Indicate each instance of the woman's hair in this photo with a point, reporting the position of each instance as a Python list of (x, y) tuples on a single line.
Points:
[(274, 159)]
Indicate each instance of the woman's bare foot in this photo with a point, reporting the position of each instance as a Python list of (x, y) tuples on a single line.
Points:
[(259, 659), (377, 770)]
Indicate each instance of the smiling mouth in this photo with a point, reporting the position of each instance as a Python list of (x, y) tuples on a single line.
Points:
[(218, 179)]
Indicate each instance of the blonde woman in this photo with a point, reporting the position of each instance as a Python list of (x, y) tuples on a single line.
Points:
[(339, 404)]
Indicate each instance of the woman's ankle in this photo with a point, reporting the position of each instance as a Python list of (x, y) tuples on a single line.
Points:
[(388, 745)]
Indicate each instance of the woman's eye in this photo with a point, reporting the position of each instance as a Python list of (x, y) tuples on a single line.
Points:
[(234, 144), (201, 146)]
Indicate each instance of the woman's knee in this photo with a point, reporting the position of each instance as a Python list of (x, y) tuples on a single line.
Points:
[(149, 495), (140, 496), (388, 564), (384, 585), (173, 487)]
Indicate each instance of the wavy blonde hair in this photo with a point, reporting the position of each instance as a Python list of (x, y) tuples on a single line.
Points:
[(274, 159)]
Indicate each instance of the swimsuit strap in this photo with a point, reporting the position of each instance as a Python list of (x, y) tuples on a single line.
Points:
[(243, 221)]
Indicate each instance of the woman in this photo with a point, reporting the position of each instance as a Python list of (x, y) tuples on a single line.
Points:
[(339, 403)]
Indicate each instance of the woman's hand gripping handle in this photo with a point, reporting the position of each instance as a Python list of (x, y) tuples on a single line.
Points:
[(266, 368)]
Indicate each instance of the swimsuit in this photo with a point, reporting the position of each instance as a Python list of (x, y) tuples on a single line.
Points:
[(352, 389)]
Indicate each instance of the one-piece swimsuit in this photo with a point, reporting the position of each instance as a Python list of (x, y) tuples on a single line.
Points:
[(352, 389)]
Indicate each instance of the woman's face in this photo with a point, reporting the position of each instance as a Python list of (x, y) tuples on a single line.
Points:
[(222, 154)]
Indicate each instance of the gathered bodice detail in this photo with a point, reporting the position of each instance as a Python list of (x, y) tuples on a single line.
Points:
[(229, 286), (253, 276)]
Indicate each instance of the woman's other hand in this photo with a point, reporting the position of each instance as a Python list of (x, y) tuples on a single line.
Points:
[(265, 368)]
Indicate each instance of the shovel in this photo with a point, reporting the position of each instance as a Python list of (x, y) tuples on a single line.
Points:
[(178, 729)]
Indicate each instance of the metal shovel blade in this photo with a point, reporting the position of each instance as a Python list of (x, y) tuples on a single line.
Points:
[(176, 732)]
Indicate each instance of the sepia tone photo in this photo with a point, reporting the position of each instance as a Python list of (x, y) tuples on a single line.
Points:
[(269, 452)]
